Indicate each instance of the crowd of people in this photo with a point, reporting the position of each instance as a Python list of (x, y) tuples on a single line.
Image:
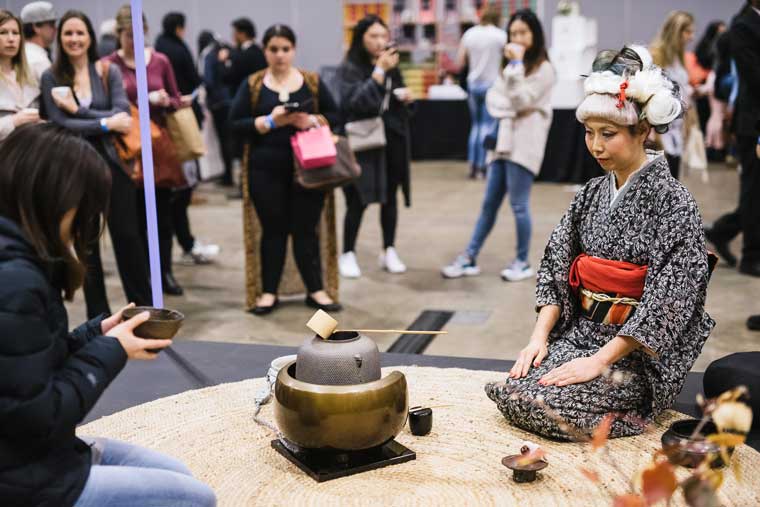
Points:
[(620, 288)]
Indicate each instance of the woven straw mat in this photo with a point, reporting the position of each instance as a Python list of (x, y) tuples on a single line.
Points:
[(458, 463)]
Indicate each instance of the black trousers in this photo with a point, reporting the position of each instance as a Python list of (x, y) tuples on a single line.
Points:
[(284, 209), (674, 163), (746, 217), (165, 225), (180, 202), (355, 211), (129, 250), (395, 154), (226, 144)]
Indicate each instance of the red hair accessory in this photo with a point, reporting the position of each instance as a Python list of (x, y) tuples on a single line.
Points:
[(621, 95)]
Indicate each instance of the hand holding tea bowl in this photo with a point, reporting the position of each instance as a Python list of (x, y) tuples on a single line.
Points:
[(145, 330)]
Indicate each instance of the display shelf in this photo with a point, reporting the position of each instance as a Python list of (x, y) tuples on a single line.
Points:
[(427, 32)]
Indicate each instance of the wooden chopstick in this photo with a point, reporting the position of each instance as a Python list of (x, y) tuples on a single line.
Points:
[(401, 331)]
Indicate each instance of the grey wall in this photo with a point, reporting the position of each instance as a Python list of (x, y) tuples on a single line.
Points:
[(318, 23)]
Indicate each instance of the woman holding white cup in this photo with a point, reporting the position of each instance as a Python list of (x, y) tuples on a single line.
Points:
[(371, 85), (88, 97), (19, 92)]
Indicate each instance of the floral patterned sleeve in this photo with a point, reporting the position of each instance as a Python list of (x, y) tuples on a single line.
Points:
[(676, 284), (563, 247)]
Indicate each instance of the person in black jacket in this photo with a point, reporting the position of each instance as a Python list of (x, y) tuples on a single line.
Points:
[(246, 59), (234, 68), (51, 197), (744, 36), (371, 85), (171, 43)]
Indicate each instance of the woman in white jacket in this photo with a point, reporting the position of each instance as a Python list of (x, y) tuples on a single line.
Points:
[(521, 102), (19, 91)]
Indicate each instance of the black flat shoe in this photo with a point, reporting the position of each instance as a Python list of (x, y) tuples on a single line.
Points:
[(265, 310), (332, 307), (170, 286), (753, 323), (750, 268), (721, 248)]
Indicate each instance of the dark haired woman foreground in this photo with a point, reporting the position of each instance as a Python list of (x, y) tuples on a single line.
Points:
[(621, 287), (54, 189)]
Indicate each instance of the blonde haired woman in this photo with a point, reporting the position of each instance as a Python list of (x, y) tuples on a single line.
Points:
[(19, 92), (668, 49)]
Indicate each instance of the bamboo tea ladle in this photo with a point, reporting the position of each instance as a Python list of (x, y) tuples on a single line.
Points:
[(324, 325)]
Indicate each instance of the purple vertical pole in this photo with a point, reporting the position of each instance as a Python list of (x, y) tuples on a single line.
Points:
[(138, 35)]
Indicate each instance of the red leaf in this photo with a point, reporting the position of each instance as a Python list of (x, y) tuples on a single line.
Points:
[(602, 431), (590, 475), (658, 482), (629, 500)]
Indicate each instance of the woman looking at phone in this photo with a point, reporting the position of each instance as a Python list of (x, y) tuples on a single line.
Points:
[(371, 85), (283, 207)]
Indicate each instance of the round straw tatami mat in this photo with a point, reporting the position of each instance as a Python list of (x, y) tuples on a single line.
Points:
[(459, 463)]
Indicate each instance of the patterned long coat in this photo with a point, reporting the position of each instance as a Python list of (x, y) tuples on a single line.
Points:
[(653, 221)]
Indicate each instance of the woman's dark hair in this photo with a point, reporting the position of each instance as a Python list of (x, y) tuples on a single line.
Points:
[(705, 51), (623, 62), (357, 53), (536, 54), (46, 172), (205, 38), (172, 21), (62, 68), (278, 30), (246, 26)]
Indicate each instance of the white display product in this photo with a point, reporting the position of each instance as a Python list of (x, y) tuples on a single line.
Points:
[(573, 48)]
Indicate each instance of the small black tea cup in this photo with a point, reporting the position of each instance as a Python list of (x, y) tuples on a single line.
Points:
[(420, 421)]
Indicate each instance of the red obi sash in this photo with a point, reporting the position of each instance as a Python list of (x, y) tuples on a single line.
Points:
[(606, 276)]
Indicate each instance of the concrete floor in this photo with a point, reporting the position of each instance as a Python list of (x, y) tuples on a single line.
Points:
[(494, 318)]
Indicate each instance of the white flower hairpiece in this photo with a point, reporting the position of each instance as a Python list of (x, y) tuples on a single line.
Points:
[(650, 88)]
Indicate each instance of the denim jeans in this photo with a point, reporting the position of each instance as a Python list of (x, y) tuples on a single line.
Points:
[(505, 176), (125, 475), (480, 122)]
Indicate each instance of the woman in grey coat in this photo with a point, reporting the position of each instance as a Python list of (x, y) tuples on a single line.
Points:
[(371, 85), (96, 106)]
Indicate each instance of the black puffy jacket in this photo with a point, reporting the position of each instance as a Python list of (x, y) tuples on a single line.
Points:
[(49, 380)]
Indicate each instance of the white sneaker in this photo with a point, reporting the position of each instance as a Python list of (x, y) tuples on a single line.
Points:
[(518, 270), (208, 251), (391, 262), (463, 265), (348, 267)]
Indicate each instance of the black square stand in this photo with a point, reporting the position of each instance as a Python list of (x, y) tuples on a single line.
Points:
[(323, 467)]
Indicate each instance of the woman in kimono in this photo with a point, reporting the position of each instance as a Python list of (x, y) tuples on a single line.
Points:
[(621, 286)]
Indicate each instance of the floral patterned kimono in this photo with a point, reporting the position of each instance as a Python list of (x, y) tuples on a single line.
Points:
[(652, 221)]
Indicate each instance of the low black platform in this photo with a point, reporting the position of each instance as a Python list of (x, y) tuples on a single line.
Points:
[(323, 467), (144, 381)]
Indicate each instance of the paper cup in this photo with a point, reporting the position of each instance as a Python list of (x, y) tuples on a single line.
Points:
[(61, 91)]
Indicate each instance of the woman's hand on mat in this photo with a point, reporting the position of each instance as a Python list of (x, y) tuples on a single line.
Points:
[(120, 122), (111, 322), (137, 348), (533, 353), (576, 371)]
